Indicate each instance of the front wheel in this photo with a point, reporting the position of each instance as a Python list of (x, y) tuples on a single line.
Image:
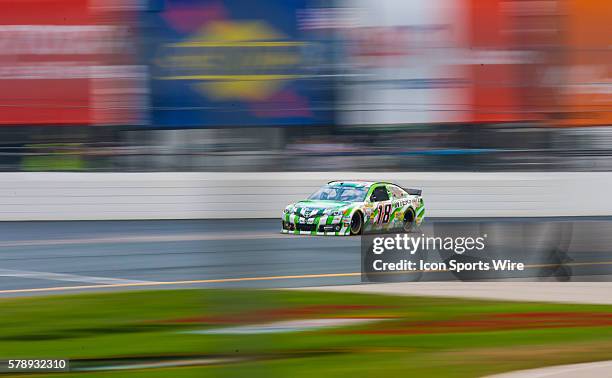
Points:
[(356, 223)]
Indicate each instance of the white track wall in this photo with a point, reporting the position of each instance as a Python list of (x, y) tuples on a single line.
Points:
[(98, 196)]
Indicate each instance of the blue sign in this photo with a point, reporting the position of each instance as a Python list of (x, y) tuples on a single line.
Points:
[(235, 63)]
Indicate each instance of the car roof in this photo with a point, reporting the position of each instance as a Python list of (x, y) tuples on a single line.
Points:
[(357, 183)]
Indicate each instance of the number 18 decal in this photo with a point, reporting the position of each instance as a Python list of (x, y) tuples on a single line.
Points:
[(384, 212)]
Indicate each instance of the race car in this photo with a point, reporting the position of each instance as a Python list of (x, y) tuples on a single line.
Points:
[(354, 207)]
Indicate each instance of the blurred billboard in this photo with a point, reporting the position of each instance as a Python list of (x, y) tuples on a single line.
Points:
[(513, 45), (414, 62), (68, 62), (402, 62), (586, 88), (235, 63)]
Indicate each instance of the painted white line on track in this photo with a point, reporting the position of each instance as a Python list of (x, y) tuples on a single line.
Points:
[(67, 277), (584, 370), (145, 239)]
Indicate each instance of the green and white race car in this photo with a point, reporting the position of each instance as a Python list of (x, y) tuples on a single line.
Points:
[(354, 207)]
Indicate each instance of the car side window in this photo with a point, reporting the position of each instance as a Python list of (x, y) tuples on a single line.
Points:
[(379, 194)]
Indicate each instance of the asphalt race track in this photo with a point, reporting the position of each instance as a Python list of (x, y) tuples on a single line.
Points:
[(59, 254), (47, 257)]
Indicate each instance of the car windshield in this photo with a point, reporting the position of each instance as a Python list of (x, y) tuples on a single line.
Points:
[(340, 193)]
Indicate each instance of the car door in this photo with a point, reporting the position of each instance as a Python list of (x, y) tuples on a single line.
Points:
[(380, 200), (400, 202)]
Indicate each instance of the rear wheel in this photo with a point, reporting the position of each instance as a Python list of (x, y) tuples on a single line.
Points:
[(409, 224), (356, 223)]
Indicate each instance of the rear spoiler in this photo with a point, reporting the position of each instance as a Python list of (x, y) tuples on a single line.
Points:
[(413, 192)]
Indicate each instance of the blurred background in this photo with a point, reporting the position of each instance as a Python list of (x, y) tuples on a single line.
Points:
[(223, 85)]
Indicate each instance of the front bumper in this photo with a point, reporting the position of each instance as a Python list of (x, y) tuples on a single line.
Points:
[(323, 225)]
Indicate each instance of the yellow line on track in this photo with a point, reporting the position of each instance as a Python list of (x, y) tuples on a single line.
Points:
[(189, 282), (243, 279)]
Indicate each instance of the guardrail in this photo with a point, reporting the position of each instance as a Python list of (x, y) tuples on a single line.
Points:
[(106, 196)]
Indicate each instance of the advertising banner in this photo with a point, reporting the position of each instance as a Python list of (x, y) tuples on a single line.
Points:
[(587, 93), (66, 62), (514, 47), (235, 63), (448, 61), (403, 60)]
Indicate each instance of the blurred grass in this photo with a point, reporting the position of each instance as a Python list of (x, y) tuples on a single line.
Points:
[(146, 325)]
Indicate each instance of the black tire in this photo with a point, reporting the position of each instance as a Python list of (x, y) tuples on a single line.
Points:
[(409, 221), (356, 227)]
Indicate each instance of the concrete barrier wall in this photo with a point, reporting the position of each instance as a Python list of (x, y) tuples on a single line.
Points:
[(89, 196)]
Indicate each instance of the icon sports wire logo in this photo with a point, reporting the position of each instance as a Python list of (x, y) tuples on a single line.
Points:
[(411, 244)]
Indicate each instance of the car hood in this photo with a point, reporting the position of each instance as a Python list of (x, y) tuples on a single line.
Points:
[(311, 208)]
